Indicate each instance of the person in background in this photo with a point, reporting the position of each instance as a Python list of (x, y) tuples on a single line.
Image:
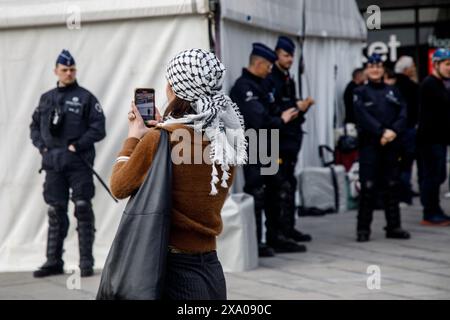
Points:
[(406, 75), (447, 85), (358, 79), (433, 137), (380, 115), (281, 187), (255, 102), (389, 77)]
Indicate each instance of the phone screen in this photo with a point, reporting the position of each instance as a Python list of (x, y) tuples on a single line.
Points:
[(144, 100)]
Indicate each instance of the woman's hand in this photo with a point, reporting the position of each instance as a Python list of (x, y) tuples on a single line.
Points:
[(136, 125)]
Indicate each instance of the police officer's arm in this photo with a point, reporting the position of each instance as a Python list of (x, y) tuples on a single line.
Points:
[(35, 130), (96, 126), (363, 118), (274, 121), (399, 124)]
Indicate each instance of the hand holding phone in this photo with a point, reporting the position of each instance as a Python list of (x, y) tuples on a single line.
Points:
[(136, 125)]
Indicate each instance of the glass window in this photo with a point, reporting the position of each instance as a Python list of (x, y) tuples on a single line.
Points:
[(392, 17), (434, 15)]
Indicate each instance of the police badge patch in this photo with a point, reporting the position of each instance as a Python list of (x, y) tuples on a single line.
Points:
[(98, 107)]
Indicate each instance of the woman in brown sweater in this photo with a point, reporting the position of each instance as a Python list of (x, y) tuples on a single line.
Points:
[(207, 140)]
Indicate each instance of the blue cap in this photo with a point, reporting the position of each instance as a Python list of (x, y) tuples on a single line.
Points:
[(65, 58), (286, 44), (375, 58), (264, 51), (441, 54)]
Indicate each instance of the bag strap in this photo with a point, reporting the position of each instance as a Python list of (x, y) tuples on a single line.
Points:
[(322, 155)]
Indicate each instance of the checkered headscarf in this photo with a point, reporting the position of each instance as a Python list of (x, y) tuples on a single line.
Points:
[(196, 75)]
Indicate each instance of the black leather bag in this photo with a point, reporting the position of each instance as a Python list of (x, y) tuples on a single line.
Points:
[(347, 143), (136, 263)]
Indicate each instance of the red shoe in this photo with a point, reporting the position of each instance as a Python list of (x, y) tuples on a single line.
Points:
[(436, 221)]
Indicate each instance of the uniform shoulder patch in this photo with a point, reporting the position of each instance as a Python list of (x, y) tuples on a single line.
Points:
[(98, 107), (249, 96)]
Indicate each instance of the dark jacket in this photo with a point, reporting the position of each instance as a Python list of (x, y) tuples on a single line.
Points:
[(83, 125), (410, 93), (377, 107), (434, 113), (348, 102), (255, 102), (282, 85)]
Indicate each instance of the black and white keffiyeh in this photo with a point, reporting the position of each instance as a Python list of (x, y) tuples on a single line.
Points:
[(197, 75)]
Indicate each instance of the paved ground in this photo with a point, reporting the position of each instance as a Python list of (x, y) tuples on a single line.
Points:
[(335, 267)]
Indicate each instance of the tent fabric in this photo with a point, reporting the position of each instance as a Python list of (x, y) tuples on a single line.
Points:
[(237, 247), (112, 59), (328, 68), (27, 13), (337, 19), (323, 18), (275, 15)]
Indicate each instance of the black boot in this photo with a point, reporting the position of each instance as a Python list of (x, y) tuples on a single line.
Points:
[(258, 199), (86, 235), (281, 244), (57, 231), (265, 251), (392, 212), (398, 233), (299, 236), (365, 211), (363, 236), (287, 214)]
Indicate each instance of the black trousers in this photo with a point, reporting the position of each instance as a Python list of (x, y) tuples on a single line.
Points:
[(432, 173), (255, 185), (57, 186), (280, 194), (194, 277), (379, 170)]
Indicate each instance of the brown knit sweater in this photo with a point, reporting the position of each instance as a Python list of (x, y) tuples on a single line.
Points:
[(196, 219)]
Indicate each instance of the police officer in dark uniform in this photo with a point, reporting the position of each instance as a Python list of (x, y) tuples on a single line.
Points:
[(380, 114), (281, 187), (65, 126), (254, 102)]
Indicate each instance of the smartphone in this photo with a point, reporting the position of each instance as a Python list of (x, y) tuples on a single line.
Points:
[(144, 99)]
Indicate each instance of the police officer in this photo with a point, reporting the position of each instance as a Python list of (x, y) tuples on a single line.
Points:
[(434, 138), (281, 187), (254, 102), (380, 114), (65, 126)]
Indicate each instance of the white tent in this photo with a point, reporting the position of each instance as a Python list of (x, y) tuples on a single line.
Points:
[(120, 45)]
